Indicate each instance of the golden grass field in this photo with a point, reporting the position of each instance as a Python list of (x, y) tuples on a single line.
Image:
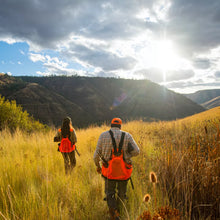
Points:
[(184, 154)]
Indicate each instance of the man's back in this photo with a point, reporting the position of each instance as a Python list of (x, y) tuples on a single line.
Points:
[(105, 146), (117, 165)]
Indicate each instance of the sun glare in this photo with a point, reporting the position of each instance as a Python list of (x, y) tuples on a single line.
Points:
[(159, 55), (164, 55)]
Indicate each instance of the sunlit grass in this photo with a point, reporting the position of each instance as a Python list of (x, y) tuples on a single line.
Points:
[(184, 155)]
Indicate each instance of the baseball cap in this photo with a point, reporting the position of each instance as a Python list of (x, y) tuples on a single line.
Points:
[(116, 121)]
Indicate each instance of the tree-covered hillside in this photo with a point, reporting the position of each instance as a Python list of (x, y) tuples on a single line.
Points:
[(93, 100)]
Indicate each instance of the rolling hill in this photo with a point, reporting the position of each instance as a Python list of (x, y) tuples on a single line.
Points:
[(46, 105), (212, 103), (203, 97), (93, 100)]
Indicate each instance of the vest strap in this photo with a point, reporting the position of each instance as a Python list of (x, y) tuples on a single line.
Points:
[(114, 143)]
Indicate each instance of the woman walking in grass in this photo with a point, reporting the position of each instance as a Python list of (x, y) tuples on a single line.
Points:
[(67, 138)]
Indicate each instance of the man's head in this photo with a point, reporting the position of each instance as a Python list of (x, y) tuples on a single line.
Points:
[(116, 122)]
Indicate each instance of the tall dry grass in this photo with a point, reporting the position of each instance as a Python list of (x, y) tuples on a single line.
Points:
[(188, 165), (33, 183), (184, 154)]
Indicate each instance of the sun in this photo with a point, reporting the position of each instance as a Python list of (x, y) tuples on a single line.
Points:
[(164, 57), (159, 54)]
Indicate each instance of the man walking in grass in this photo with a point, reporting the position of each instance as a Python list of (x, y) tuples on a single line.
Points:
[(115, 149)]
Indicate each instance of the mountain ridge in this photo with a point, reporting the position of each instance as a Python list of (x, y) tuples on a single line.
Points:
[(94, 100), (212, 103), (203, 96)]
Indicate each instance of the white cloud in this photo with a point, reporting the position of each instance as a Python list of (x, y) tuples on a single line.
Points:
[(195, 26), (9, 40), (179, 75), (37, 57), (201, 63), (132, 39), (217, 75), (22, 52), (54, 66), (158, 76)]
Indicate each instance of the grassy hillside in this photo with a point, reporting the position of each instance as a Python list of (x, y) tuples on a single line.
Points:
[(212, 103), (103, 97), (47, 106), (94, 100), (184, 155), (203, 96)]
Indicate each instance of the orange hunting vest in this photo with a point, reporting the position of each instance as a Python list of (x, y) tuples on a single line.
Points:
[(117, 168), (66, 145)]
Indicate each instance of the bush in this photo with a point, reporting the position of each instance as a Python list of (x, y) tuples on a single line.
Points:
[(13, 117)]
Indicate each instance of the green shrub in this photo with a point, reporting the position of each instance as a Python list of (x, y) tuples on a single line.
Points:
[(12, 116)]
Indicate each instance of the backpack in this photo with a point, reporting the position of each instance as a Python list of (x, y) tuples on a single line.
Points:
[(117, 168), (66, 145)]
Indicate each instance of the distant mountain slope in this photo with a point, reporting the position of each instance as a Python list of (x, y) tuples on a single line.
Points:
[(212, 103), (203, 96), (45, 105), (95, 100)]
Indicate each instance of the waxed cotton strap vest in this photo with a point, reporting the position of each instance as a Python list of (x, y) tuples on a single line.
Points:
[(119, 151)]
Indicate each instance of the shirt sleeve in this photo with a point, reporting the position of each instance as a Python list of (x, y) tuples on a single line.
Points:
[(134, 149), (98, 152)]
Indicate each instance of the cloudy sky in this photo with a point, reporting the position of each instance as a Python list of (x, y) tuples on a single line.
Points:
[(175, 43)]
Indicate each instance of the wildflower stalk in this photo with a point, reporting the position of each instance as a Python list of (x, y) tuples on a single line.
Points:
[(146, 200), (153, 179)]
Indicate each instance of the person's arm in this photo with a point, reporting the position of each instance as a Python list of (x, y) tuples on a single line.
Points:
[(133, 149), (57, 137), (73, 137), (98, 152)]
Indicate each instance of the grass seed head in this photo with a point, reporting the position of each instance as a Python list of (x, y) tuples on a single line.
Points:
[(147, 198), (153, 177)]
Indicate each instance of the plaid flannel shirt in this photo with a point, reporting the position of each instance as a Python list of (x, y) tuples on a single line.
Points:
[(104, 146)]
